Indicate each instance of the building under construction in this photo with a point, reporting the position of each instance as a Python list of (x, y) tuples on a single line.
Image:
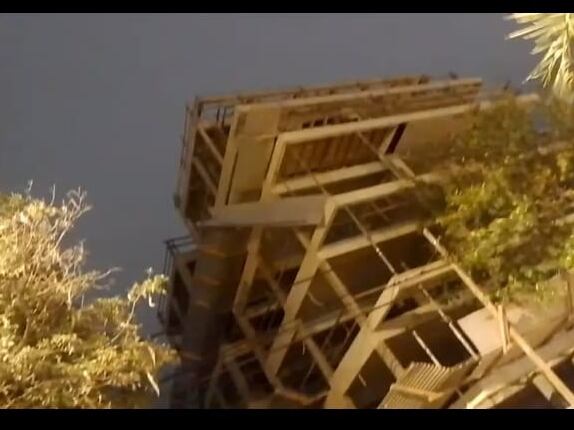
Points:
[(308, 279)]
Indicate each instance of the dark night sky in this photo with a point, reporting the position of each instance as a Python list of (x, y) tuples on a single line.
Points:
[(97, 101)]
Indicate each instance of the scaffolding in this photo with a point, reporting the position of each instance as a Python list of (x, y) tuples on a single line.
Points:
[(310, 278)]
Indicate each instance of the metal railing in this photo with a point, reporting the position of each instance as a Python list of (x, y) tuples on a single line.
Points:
[(173, 247)]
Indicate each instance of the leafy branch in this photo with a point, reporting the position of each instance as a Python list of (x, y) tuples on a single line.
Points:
[(57, 348), (502, 210)]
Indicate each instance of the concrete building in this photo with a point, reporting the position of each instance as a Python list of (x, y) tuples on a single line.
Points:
[(308, 279)]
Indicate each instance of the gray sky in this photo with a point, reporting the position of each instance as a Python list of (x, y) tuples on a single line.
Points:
[(97, 101)]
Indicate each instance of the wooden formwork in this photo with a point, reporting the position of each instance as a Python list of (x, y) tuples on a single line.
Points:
[(342, 297)]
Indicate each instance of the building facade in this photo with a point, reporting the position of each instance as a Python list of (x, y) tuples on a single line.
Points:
[(308, 278)]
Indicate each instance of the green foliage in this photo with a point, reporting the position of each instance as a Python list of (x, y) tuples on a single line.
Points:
[(58, 349), (502, 209)]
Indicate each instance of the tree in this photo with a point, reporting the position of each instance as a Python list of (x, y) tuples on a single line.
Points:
[(553, 35), (58, 348), (504, 209)]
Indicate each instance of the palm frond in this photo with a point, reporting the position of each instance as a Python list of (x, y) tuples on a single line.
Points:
[(553, 35)]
